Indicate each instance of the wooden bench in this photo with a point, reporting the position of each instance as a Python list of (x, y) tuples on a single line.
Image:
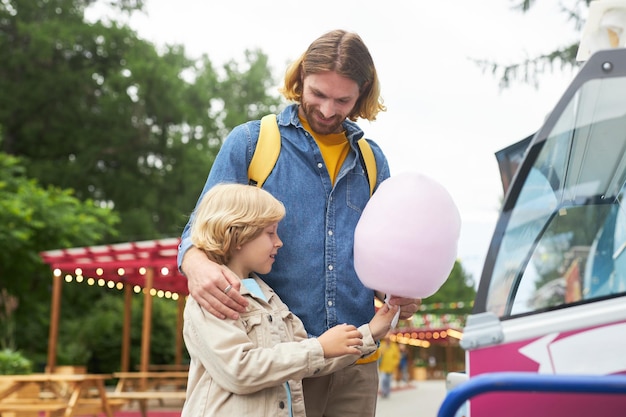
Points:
[(93, 406), (56, 395), (148, 395), (145, 386), (33, 406), (82, 407)]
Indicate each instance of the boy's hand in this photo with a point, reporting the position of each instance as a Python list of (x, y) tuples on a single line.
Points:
[(341, 340), (381, 323)]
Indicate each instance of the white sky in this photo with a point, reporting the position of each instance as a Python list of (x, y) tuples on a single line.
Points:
[(445, 118)]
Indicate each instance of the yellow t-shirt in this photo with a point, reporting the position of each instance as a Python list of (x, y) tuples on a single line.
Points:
[(334, 148)]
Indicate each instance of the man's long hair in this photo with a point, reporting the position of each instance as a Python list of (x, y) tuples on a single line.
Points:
[(346, 54)]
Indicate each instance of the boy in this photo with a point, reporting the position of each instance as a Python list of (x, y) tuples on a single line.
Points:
[(254, 365)]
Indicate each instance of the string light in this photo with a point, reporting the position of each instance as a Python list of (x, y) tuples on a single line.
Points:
[(113, 284), (455, 305)]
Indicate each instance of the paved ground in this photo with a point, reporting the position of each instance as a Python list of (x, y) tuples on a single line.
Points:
[(423, 400)]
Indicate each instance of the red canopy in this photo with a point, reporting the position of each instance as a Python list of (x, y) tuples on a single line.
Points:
[(125, 263), (131, 266)]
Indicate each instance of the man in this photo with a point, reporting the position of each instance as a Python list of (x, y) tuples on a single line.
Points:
[(321, 181)]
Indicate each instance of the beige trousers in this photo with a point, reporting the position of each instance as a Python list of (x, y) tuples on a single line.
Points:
[(350, 392)]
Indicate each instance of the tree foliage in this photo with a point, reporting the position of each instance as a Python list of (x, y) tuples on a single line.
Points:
[(456, 295), (532, 68), (115, 138), (33, 219), (104, 113)]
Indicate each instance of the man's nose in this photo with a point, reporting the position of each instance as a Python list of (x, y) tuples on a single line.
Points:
[(327, 109)]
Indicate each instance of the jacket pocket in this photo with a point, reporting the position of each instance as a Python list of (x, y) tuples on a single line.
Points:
[(287, 318), (255, 328)]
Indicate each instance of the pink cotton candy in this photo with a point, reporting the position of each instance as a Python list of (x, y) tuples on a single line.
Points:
[(405, 242)]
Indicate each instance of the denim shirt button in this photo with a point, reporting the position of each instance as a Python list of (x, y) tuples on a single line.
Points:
[(319, 165), (330, 233), (330, 267), (330, 303)]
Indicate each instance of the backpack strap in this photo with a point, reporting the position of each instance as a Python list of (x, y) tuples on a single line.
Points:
[(268, 148), (369, 162), (266, 152)]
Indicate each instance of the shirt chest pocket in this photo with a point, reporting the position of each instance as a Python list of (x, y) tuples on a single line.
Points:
[(357, 191)]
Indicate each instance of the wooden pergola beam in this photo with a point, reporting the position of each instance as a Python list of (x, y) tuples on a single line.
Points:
[(55, 313)]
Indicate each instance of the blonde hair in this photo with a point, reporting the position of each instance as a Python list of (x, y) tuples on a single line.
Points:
[(230, 215), (346, 54)]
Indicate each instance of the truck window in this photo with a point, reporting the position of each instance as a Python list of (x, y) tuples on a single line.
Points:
[(565, 238)]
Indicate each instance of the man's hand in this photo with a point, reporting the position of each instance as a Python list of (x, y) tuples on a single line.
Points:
[(408, 306), (213, 286)]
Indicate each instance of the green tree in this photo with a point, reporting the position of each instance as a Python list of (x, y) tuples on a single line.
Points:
[(102, 329), (114, 134), (247, 89), (102, 112), (455, 296), (33, 219), (532, 68)]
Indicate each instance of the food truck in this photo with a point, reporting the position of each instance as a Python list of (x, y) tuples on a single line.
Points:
[(552, 294)]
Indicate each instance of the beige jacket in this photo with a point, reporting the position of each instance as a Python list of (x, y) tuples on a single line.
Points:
[(239, 367)]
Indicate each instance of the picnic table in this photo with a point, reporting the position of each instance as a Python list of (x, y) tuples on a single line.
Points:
[(64, 395), (153, 385)]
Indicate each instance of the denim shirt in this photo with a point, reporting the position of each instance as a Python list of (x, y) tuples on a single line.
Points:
[(314, 270)]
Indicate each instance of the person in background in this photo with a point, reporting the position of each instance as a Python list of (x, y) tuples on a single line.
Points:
[(404, 365), (389, 360), (253, 366), (432, 366), (320, 179)]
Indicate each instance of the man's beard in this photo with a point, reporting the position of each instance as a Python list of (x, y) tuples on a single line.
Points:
[(312, 117)]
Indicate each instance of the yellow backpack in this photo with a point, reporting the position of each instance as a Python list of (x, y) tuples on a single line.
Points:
[(268, 149)]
